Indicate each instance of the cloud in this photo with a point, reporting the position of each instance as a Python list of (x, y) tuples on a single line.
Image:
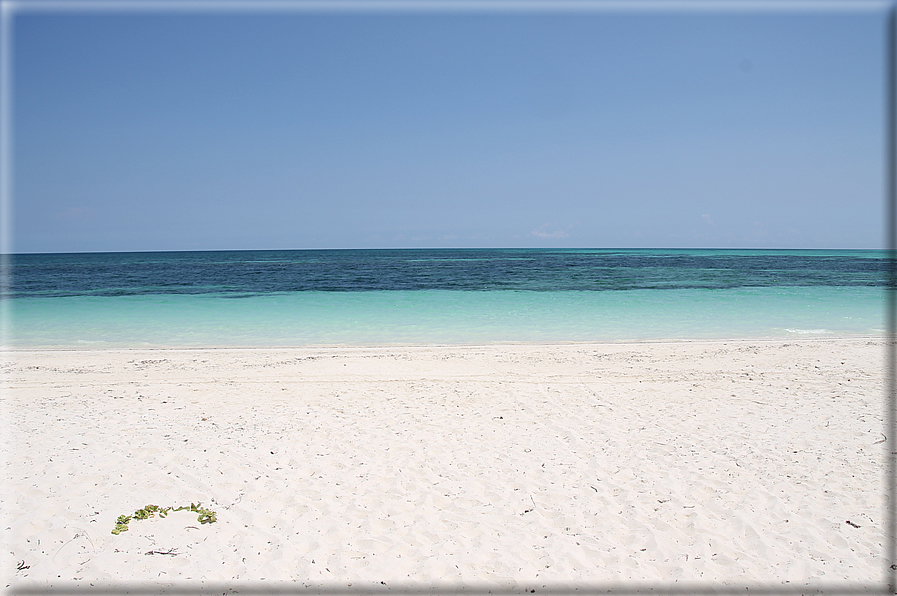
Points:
[(549, 230), (707, 219)]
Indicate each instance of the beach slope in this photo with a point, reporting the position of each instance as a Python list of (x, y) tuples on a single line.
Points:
[(738, 462)]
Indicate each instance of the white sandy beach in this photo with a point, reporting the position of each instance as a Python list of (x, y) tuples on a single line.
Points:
[(524, 466)]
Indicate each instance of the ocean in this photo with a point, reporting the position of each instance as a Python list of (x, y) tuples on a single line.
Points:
[(438, 296)]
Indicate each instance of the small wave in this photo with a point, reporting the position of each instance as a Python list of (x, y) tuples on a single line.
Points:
[(808, 331)]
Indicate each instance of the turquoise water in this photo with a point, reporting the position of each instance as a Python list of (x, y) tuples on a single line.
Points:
[(443, 317), (370, 297)]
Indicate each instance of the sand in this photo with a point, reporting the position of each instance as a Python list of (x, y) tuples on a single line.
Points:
[(724, 463)]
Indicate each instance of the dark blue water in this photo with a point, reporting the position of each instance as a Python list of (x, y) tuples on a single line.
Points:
[(265, 272)]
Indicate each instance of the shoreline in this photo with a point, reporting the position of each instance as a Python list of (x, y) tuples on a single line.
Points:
[(696, 461), (373, 346)]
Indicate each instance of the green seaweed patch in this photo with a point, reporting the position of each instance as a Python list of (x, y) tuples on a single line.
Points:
[(206, 516)]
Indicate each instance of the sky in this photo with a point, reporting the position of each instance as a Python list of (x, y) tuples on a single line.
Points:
[(299, 129)]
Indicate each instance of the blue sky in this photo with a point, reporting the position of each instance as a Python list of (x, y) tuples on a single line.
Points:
[(297, 129)]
